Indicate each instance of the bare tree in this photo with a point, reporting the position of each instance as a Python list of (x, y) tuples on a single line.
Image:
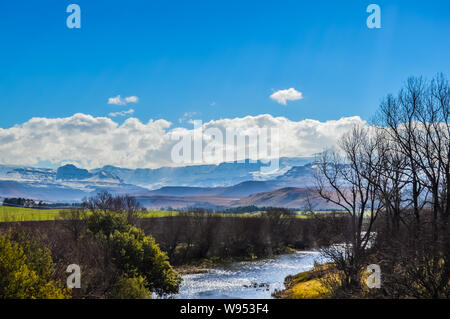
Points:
[(347, 179), (105, 202), (416, 123)]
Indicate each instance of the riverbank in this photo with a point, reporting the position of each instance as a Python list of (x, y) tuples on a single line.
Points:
[(306, 285)]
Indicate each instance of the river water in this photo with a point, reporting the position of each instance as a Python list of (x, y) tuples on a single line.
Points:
[(237, 280)]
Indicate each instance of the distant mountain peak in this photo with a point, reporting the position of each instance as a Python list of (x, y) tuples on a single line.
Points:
[(71, 172), (224, 182)]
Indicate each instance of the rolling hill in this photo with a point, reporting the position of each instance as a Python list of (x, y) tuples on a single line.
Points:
[(289, 197)]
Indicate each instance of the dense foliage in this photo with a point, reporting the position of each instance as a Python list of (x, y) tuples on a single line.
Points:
[(134, 254), (26, 270)]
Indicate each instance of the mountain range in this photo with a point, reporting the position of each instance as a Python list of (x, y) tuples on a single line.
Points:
[(224, 185)]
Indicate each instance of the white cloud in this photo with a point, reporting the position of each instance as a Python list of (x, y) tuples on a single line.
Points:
[(282, 96), (131, 99), (121, 113), (97, 141), (117, 100)]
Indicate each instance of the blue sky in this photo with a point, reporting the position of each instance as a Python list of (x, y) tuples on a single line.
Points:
[(183, 56)]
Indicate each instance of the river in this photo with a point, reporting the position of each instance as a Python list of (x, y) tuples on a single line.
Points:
[(237, 280)]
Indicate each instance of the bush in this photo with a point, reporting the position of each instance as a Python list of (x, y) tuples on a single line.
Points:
[(26, 270), (131, 288), (133, 253)]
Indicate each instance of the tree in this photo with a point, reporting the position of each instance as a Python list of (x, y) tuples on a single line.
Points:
[(347, 178), (416, 130), (26, 271), (416, 124), (132, 252), (104, 201)]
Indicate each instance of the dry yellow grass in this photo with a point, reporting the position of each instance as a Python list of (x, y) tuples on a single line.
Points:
[(311, 289), (308, 284)]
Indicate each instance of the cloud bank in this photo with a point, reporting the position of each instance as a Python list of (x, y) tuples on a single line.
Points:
[(282, 96), (97, 141)]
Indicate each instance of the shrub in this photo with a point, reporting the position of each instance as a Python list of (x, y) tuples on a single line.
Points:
[(133, 253), (131, 288), (26, 271)]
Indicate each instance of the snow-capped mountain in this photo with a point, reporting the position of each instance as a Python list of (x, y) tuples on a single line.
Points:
[(226, 180), (71, 172), (224, 174)]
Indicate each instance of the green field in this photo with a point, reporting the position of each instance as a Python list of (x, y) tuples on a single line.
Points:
[(20, 214), (16, 214)]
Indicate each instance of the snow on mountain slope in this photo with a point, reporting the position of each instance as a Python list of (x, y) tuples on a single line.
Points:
[(232, 180)]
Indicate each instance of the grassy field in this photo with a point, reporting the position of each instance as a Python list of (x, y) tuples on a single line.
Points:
[(16, 214), (20, 214)]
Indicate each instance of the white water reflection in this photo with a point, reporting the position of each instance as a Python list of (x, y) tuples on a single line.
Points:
[(238, 280)]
